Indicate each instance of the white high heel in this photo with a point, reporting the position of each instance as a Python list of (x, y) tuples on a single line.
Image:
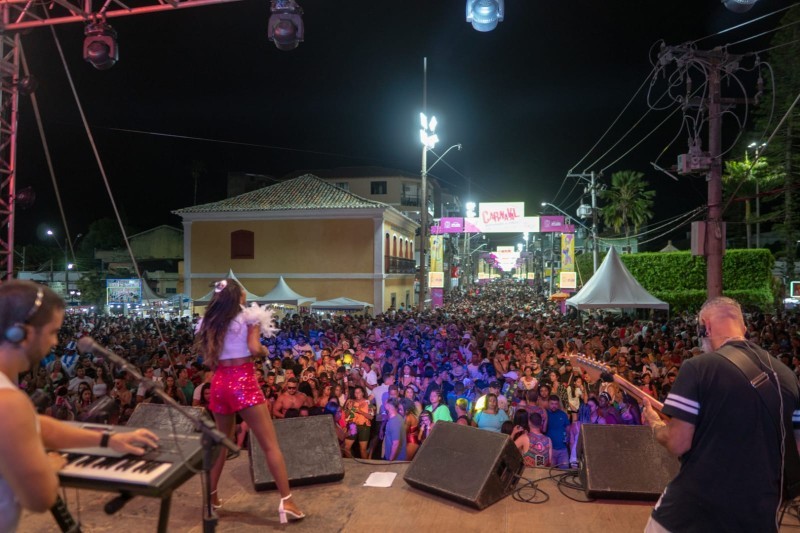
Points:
[(283, 511), (215, 506)]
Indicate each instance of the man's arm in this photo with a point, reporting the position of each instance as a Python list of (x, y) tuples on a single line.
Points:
[(23, 461), (279, 409), (675, 434)]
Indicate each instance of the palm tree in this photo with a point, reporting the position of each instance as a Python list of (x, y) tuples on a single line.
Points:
[(748, 181), (628, 202)]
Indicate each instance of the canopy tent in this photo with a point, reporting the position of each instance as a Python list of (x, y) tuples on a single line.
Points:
[(249, 295), (149, 296), (613, 286), (340, 304), (283, 294)]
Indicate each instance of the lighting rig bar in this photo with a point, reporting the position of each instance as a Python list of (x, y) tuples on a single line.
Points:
[(22, 14)]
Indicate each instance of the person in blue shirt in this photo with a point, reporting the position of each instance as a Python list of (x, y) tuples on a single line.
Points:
[(491, 418), (557, 425)]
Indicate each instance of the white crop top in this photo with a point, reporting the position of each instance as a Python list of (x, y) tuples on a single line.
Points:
[(235, 345)]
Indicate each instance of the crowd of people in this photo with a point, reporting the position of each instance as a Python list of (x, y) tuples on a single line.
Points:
[(499, 357)]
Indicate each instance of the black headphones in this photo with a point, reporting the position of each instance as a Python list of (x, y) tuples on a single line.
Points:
[(16, 332)]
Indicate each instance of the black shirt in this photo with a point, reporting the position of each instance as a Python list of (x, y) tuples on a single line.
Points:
[(730, 478)]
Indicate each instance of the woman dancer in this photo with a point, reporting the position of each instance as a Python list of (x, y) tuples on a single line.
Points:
[(228, 339)]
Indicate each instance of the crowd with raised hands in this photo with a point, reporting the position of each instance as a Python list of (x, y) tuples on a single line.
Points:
[(498, 357)]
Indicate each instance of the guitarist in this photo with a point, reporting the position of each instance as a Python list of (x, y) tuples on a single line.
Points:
[(730, 446)]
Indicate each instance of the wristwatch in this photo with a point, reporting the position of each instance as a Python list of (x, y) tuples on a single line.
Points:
[(106, 435)]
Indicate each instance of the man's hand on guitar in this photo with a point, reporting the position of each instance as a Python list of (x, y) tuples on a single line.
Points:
[(649, 415)]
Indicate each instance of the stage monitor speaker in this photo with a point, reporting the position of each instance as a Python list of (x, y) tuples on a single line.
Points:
[(471, 466), (163, 418), (624, 462), (310, 449)]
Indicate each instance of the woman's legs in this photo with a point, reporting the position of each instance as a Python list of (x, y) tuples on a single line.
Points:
[(258, 419), (224, 425)]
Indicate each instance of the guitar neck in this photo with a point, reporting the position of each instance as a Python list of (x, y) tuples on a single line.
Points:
[(639, 393)]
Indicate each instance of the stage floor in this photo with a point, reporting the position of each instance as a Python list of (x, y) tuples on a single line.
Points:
[(350, 506)]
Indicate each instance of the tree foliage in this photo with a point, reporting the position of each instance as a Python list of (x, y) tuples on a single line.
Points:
[(628, 201)]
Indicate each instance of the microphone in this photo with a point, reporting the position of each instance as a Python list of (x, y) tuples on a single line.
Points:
[(101, 407), (88, 344)]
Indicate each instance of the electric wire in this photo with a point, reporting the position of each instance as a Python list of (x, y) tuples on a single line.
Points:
[(756, 36), (726, 30), (48, 158), (671, 230), (776, 46), (613, 123), (758, 155)]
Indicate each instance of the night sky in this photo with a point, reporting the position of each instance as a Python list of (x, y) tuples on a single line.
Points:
[(526, 101)]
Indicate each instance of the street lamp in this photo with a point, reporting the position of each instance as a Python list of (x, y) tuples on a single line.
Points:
[(592, 230), (429, 138), (67, 264), (758, 148)]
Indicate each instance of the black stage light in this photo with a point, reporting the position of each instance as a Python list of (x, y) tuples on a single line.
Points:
[(485, 14), (286, 27), (100, 45)]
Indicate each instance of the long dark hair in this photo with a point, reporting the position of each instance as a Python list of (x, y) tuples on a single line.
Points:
[(224, 306)]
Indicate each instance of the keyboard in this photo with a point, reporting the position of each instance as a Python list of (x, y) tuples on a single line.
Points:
[(156, 473)]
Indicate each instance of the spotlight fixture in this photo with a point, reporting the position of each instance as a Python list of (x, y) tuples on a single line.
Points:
[(485, 14), (739, 6), (286, 27), (100, 45)]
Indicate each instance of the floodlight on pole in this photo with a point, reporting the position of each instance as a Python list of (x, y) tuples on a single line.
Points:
[(739, 6), (485, 14)]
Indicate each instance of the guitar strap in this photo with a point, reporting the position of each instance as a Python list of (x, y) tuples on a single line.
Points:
[(770, 397)]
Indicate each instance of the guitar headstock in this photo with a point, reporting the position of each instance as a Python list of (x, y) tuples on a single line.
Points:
[(594, 369)]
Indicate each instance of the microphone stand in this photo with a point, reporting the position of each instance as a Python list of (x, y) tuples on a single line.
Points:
[(210, 439)]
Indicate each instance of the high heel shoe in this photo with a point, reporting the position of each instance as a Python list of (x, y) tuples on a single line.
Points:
[(283, 511), (215, 506)]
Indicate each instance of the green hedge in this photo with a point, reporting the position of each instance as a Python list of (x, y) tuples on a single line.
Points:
[(679, 278)]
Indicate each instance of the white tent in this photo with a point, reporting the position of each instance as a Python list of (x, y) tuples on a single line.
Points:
[(613, 286), (249, 295), (283, 294), (340, 304)]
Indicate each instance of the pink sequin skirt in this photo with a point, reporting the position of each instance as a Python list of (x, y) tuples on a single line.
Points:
[(234, 388)]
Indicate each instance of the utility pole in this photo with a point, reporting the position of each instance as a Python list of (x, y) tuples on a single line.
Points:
[(714, 223), (716, 64), (590, 177), (423, 201)]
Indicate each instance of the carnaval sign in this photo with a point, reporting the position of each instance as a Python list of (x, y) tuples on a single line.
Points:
[(502, 217)]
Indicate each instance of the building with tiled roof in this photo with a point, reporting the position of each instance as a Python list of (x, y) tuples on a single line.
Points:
[(326, 242)]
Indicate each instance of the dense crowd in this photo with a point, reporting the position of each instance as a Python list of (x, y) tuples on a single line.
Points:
[(499, 357)]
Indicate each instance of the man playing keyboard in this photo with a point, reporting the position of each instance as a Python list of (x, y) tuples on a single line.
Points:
[(30, 318)]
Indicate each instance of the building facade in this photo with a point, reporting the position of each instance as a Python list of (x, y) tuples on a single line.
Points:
[(326, 242)]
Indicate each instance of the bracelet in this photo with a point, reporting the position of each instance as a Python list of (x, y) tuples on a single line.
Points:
[(105, 438)]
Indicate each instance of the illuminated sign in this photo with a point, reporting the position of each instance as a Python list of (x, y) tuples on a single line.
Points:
[(568, 280), (448, 225), (436, 280), (123, 291)]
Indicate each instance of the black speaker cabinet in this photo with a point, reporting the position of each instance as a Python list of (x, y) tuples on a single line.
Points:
[(471, 466), (624, 462), (310, 449), (163, 418)]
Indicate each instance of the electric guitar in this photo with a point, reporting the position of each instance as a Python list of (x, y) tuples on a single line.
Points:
[(597, 370)]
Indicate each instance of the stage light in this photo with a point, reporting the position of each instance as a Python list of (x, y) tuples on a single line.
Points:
[(485, 14), (739, 6), (100, 45), (286, 27)]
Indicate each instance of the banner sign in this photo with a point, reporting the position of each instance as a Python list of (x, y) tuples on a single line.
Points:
[(519, 225), (436, 280), (437, 253), (448, 225), (437, 298), (568, 280), (123, 291), (568, 252), (551, 223)]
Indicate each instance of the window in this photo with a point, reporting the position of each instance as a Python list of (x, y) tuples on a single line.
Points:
[(171, 290), (343, 185), (377, 187), (242, 244)]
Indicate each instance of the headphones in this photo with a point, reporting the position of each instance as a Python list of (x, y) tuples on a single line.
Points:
[(16, 332)]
